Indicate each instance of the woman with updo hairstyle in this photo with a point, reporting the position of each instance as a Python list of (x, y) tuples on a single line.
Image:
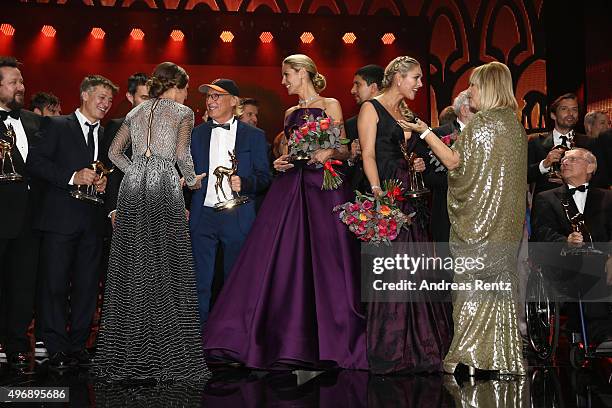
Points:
[(297, 277), (150, 327), (487, 180), (410, 334)]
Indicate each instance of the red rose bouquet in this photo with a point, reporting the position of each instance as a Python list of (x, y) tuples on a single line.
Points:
[(314, 134), (376, 220)]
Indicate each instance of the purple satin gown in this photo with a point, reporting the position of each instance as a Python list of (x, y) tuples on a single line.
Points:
[(292, 297)]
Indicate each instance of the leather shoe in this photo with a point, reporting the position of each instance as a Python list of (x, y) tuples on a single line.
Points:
[(61, 361), (82, 357)]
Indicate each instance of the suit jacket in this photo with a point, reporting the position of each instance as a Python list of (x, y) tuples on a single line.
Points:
[(19, 201), (537, 149), (115, 178), (253, 169), (61, 152)]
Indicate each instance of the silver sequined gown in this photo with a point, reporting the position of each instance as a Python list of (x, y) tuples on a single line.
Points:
[(486, 206), (150, 325)]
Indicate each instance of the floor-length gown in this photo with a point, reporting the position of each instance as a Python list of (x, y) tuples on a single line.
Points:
[(411, 336), (150, 325), (292, 298)]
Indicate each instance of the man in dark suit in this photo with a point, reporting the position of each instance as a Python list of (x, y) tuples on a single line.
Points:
[(367, 83), (210, 144), (579, 200), (72, 229), (19, 201), (541, 155), (137, 92), (436, 175)]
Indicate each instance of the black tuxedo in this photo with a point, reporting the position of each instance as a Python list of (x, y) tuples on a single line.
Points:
[(537, 149), (72, 233), (550, 224), (19, 244)]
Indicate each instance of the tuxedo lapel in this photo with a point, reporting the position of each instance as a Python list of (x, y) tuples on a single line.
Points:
[(77, 133), (548, 142), (562, 195), (591, 203), (239, 135)]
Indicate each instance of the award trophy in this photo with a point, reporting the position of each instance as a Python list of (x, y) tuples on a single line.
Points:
[(6, 145), (221, 172), (416, 186), (555, 170), (90, 194), (578, 225)]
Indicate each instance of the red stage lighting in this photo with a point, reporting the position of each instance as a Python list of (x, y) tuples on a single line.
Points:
[(266, 37), (48, 31), (388, 38), (97, 33), (226, 36), (137, 34), (177, 35), (349, 38), (7, 29), (307, 37)]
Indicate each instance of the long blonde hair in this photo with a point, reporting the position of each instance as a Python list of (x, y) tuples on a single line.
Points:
[(494, 82), (400, 65), (297, 61)]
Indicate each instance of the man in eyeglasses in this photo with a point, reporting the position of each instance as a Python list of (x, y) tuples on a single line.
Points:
[(210, 144), (590, 209)]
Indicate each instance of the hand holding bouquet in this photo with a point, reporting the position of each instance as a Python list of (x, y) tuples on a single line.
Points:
[(373, 219)]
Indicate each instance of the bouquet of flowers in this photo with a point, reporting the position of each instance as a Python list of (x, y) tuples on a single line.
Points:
[(318, 133), (376, 220)]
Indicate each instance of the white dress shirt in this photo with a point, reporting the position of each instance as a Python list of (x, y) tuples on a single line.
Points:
[(82, 122), (556, 142), (461, 125), (20, 136), (579, 197), (221, 142)]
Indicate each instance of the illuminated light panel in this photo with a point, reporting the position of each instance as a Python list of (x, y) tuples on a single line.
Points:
[(266, 37), (97, 33), (307, 37), (48, 31), (349, 38), (7, 29), (137, 34), (387, 38), (177, 35), (226, 36)]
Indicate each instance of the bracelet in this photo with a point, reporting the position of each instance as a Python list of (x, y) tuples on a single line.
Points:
[(373, 187), (425, 133)]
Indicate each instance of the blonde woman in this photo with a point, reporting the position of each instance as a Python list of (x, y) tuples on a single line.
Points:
[(292, 298), (486, 204)]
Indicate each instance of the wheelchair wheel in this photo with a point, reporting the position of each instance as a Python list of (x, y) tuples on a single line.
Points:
[(542, 316)]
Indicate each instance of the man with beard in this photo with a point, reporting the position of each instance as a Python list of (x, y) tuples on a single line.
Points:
[(19, 200)]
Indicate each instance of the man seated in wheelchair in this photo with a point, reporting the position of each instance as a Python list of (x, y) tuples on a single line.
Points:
[(571, 240)]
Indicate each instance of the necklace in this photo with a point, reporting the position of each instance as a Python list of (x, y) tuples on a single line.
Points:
[(307, 100)]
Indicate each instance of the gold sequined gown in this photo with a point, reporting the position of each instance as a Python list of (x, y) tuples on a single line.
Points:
[(486, 206)]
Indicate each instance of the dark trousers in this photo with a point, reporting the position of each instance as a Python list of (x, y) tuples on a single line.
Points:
[(18, 273), (214, 228), (70, 270)]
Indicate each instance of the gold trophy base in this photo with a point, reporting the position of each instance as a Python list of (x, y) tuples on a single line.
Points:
[(229, 204), (416, 193), (92, 199), (11, 177)]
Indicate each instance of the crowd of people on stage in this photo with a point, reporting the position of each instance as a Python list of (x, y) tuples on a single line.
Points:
[(145, 206)]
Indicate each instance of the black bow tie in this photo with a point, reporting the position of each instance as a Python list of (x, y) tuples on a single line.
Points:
[(13, 114), (225, 126), (581, 188)]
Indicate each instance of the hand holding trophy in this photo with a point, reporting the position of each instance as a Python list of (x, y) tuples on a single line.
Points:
[(6, 145), (584, 246), (91, 188), (220, 173)]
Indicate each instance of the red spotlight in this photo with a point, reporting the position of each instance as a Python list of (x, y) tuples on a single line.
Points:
[(177, 35), (349, 38), (48, 31), (266, 37), (226, 36), (97, 33), (7, 29), (137, 34), (307, 37), (388, 38)]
